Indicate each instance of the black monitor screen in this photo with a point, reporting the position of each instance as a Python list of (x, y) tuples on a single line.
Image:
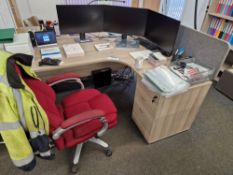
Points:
[(80, 18), (125, 20), (162, 31)]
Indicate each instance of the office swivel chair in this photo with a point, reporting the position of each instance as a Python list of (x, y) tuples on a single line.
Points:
[(82, 116)]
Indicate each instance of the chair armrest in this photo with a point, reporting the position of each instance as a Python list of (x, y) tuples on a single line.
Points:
[(81, 119), (64, 77)]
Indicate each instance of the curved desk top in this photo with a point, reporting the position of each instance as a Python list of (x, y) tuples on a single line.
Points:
[(92, 56)]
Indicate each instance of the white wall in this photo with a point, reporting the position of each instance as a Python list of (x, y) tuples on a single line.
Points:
[(46, 9), (6, 20), (43, 9), (24, 8), (188, 13)]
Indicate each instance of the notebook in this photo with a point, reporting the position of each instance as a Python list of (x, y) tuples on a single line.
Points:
[(51, 52), (72, 50)]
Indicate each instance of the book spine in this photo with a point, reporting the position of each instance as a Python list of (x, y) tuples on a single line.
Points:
[(227, 32), (231, 12), (214, 26), (228, 13), (217, 27), (222, 31), (220, 28), (219, 6), (226, 7), (231, 39), (222, 6), (210, 26), (231, 33)]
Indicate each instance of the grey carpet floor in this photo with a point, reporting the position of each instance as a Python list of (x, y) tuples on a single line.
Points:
[(206, 149)]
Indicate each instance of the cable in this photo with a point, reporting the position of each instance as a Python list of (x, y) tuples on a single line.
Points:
[(122, 1), (195, 14)]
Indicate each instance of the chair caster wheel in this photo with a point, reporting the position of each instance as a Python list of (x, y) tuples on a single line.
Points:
[(108, 152), (74, 169)]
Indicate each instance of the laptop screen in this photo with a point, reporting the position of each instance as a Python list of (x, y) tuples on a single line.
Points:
[(45, 37)]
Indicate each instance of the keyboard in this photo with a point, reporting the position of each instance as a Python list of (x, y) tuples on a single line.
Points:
[(147, 44)]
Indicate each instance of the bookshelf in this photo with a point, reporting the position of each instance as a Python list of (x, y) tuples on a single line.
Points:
[(218, 23), (229, 18)]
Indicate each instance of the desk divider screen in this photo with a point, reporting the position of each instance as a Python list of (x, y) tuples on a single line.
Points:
[(206, 49)]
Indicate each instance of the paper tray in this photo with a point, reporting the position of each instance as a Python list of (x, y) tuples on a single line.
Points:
[(193, 72)]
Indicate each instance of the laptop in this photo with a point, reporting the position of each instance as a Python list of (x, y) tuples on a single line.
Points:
[(45, 38)]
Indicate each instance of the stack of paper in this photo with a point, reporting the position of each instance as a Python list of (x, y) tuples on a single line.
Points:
[(163, 80), (72, 50), (191, 71), (51, 52), (103, 46), (21, 44), (141, 54)]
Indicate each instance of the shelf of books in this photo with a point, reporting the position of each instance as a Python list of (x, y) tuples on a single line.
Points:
[(219, 24), (229, 18), (219, 20)]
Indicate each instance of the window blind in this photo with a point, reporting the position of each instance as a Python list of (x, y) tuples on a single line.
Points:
[(175, 8), (84, 2)]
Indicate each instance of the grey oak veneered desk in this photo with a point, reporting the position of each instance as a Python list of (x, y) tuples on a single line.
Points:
[(156, 116)]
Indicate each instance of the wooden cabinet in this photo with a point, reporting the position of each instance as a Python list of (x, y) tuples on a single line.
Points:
[(148, 4), (152, 4), (135, 3), (158, 117)]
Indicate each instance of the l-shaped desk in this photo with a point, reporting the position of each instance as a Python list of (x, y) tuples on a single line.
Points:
[(156, 116)]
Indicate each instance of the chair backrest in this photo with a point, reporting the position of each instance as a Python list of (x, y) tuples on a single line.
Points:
[(46, 97)]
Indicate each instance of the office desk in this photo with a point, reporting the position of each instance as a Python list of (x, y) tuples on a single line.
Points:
[(156, 116)]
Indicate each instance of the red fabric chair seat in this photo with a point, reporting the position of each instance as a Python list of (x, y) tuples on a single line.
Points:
[(82, 101)]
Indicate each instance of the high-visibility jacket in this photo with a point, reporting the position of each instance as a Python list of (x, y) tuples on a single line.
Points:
[(24, 124)]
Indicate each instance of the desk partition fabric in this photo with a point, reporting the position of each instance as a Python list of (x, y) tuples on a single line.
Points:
[(207, 50)]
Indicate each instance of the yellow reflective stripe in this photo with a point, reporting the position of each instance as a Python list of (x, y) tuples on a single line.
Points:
[(9, 126), (25, 161)]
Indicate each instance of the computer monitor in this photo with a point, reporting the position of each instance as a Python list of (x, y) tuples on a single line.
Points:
[(162, 31), (75, 19), (125, 20)]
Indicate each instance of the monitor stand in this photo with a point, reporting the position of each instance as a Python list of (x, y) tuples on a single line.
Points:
[(83, 38), (127, 43)]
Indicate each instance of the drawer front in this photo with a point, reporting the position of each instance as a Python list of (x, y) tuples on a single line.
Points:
[(146, 98), (147, 91), (142, 119)]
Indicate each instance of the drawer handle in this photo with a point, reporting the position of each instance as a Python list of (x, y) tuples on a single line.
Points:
[(154, 98)]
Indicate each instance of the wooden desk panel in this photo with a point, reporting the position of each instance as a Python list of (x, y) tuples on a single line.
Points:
[(156, 116)]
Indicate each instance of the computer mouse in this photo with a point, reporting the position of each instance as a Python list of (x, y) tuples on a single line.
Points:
[(49, 61)]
